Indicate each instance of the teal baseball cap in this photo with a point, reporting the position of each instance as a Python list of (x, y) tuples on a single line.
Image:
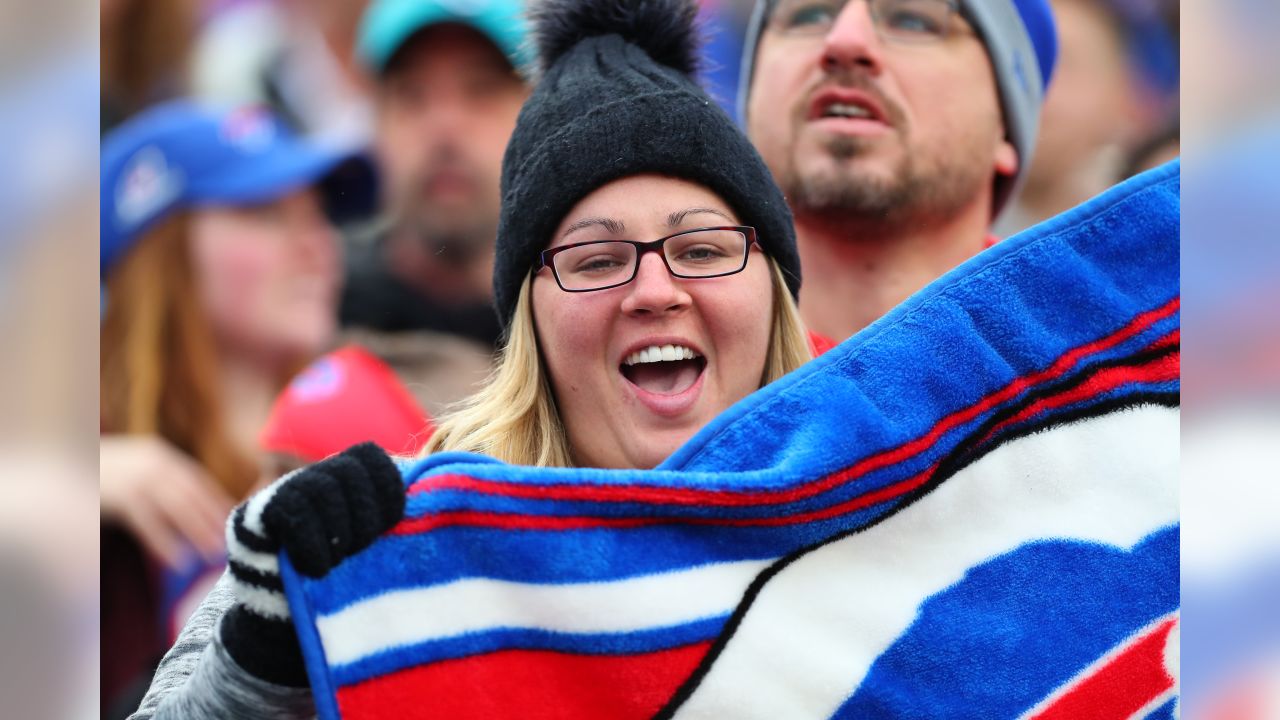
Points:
[(387, 24)]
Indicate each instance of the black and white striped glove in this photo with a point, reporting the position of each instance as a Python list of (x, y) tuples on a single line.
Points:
[(320, 515)]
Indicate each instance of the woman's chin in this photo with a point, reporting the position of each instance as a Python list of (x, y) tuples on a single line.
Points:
[(290, 351), (660, 445)]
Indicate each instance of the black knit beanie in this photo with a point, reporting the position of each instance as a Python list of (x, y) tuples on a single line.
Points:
[(615, 98)]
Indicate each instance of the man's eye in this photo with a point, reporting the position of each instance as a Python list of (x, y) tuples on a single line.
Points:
[(407, 95), (811, 15), (914, 17), (914, 22), (485, 85)]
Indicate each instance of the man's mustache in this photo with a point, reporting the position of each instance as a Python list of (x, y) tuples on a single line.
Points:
[(449, 162), (854, 79)]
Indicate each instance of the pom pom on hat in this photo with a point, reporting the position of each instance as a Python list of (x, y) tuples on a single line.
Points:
[(665, 29)]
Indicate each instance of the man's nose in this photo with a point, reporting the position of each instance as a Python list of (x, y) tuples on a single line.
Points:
[(444, 117), (444, 109), (853, 41), (654, 290)]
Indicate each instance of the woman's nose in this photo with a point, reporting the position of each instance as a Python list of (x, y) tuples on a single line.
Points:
[(654, 290)]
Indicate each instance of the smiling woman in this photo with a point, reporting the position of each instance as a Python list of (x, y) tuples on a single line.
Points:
[(638, 368), (621, 374)]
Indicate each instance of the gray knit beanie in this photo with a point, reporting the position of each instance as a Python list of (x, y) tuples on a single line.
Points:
[(615, 98), (1022, 43)]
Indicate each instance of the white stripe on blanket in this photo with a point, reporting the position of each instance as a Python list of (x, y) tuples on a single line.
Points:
[(810, 637), (650, 602)]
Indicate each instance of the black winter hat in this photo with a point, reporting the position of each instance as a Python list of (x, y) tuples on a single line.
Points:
[(615, 98)]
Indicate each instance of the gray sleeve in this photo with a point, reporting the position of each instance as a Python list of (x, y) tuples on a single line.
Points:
[(220, 690), (180, 662), (198, 679)]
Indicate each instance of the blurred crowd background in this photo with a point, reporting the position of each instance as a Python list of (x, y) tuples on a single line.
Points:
[(1124, 98), (1112, 107)]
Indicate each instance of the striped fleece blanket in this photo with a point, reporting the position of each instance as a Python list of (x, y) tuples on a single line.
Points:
[(969, 510)]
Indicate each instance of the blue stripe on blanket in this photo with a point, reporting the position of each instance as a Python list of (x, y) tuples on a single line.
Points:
[(594, 644)]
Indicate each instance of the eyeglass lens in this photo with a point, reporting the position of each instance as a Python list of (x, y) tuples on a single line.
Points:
[(704, 253), (899, 20)]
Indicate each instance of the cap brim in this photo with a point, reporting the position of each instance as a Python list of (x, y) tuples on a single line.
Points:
[(263, 178)]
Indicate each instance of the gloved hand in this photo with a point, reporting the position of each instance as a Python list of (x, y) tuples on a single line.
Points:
[(320, 515)]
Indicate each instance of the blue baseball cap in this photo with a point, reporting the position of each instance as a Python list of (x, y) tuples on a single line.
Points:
[(180, 155), (387, 24)]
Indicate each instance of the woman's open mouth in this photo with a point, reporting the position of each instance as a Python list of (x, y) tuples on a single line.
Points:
[(665, 376)]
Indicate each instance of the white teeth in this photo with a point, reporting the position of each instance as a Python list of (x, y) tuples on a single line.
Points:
[(845, 110), (660, 353)]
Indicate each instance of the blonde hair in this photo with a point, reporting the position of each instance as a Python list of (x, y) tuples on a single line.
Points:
[(158, 364), (516, 421)]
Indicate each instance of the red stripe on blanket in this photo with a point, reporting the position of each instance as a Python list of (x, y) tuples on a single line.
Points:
[(733, 498), (512, 521), (1169, 340), (1158, 370), (528, 684), (1117, 686)]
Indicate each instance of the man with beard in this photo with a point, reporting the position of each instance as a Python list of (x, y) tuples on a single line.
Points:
[(898, 129), (447, 89)]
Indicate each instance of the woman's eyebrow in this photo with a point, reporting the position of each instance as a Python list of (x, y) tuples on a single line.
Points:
[(677, 217), (617, 227)]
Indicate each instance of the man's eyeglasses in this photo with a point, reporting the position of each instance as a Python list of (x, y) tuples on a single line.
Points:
[(602, 264), (906, 21)]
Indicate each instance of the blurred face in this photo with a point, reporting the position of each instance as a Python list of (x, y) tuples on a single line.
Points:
[(269, 277), (1092, 104), (622, 403), (1230, 69), (447, 105), (853, 123)]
